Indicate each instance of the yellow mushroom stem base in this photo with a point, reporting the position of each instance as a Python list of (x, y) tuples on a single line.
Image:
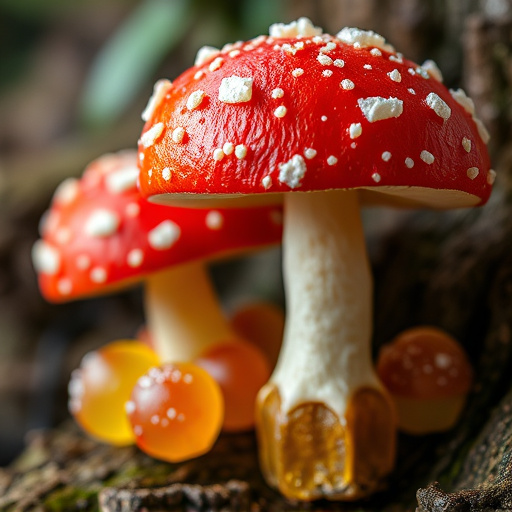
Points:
[(425, 416), (310, 454)]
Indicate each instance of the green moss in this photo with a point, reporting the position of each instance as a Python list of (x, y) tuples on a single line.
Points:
[(72, 498)]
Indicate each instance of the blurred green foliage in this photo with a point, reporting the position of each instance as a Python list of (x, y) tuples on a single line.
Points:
[(131, 56), (150, 33), (147, 36)]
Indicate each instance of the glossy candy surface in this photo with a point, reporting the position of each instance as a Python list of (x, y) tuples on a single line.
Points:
[(176, 411), (101, 386), (240, 369), (262, 324)]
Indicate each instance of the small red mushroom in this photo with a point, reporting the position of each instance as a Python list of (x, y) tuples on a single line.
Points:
[(100, 235), (428, 375), (328, 124)]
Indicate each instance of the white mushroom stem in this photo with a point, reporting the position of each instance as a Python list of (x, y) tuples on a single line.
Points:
[(326, 353), (183, 314)]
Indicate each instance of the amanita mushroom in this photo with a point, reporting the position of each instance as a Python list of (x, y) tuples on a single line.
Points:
[(328, 123), (428, 374), (100, 235)]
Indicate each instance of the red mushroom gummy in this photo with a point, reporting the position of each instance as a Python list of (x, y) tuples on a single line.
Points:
[(100, 235), (328, 124)]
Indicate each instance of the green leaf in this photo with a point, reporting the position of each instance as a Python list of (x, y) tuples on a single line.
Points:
[(131, 56)]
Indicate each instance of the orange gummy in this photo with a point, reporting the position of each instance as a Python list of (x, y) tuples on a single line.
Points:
[(262, 324), (101, 386), (176, 412), (240, 369)]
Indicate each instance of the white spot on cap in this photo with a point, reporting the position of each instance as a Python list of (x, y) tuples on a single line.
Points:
[(132, 210), (347, 84), (218, 154), (98, 275), (178, 134), (266, 182), (122, 180), (216, 64), (46, 258), (228, 148), (465, 101), (409, 162), (482, 130), (137, 430), (135, 258), (339, 63), (241, 151), (160, 89), (195, 99), (324, 118), (63, 235), (67, 191), (204, 54), (164, 235), (472, 172), (395, 75), (214, 220), (438, 106), (152, 135), (375, 52), (376, 108), (83, 262), (293, 171), (297, 72), (102, 223), (427, 157), (411, 90), (277, 93), (309, 153), (235, 89), (171, 413), (386, 156), (332, 160), (355, 130), (397, 58), (466, 144), (199, 74), (303, 27), (166, 173), (327, 72), (328, 47), (367, 66), (325, 60), (363, 38), (65, 286), (376, 177), (431, 68), (280, 111), (491, 176)]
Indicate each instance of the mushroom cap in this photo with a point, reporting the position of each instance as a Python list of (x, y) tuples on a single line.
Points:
[(425, 363), (303, 112), (100, 234)]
